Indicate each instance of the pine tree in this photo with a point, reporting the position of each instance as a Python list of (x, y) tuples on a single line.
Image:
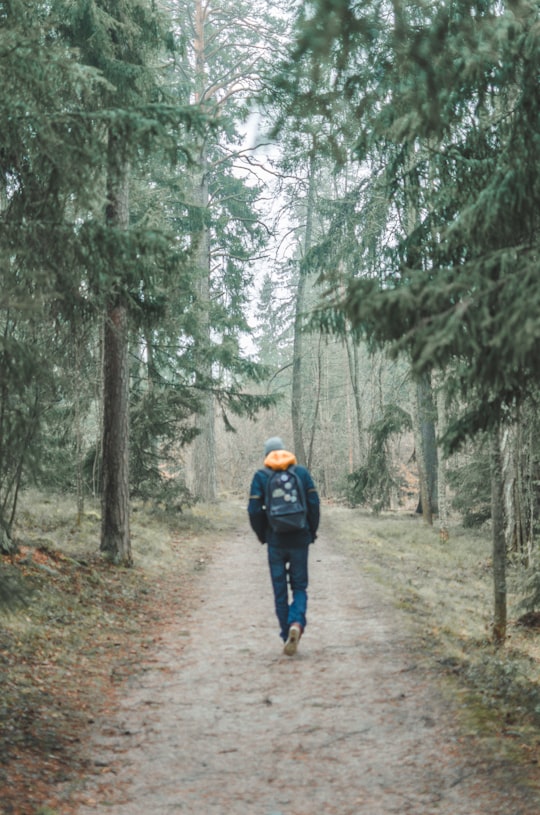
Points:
[(48, 162), (221, 72), (462, 288), (120, 39)]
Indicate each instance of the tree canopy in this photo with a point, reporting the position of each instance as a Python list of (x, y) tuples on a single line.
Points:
[(441, 105)]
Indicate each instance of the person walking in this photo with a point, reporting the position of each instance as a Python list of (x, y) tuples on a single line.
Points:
[(287, 550)]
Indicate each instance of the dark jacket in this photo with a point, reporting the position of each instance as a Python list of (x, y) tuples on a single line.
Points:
[(281, 460)]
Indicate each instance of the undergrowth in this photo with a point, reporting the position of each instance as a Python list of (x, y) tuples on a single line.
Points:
[(76, 627), (446, 592)]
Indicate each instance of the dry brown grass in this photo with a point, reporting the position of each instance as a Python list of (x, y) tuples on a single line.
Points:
[(80, 629), (446, 590)]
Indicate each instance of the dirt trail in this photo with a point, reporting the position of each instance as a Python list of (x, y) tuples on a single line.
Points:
[(219, 721)]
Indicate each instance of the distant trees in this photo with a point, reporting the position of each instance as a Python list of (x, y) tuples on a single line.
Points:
[(439, 106), (457, 270)]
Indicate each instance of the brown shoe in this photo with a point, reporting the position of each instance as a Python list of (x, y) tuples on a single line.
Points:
[(295, 632)]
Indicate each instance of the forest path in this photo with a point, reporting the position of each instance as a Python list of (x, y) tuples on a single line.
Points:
[(218, 720)]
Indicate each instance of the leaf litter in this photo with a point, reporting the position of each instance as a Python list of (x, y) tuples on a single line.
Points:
[(73, 633)]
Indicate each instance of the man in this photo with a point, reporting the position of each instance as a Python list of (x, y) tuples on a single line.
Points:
[(287, 551)]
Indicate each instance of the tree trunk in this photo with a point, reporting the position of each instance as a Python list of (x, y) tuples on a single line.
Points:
[(509, 467), (297, 389), (531, 499), (115, 531), (204, 454), (77, 340), (354, 373), (444, 533), (317, 400), (152, 377), (426, 447), (298, 343), (7, 544), (499, 542), (517, 497), (424, 504), (204, 445)]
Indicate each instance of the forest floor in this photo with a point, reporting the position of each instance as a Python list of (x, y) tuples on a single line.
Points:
[(164, 689)]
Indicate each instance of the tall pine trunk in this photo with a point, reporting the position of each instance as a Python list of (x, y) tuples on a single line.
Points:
[(204, 445), (499, 541), (115, 531), (297, 389), (354, 373), (78, 411), (298, 342), (426, 446), (516, 497), (444, 532)]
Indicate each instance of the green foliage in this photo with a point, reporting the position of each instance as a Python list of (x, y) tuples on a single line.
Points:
[(374, 483), (160, 426), (48, 163), (470, 484), (442, 107), (26, 393), (218, 210), (59, 259), (77, 77), (530, 600)]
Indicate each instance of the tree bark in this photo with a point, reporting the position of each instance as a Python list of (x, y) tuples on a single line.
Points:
[(516, 458), (511, 496), (204, 445), (426, 447), (499, 541), (354, 373), (297, 389), (77, 340), (444, 533), (115, 528), (298, 342), (424, 504)]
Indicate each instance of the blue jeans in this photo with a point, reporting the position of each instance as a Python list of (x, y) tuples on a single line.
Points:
[(296, 558)]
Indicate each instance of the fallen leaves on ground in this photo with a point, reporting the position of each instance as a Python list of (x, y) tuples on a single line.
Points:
[(63, 656)]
